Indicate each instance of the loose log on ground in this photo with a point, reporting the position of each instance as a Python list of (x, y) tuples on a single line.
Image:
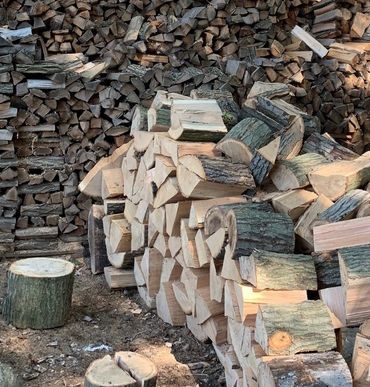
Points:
[(39, 293), (138, 366), (290, 329), (105, 372)]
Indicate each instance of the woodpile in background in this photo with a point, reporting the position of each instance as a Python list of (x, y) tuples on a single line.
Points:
[(255, 238), (75, 75)]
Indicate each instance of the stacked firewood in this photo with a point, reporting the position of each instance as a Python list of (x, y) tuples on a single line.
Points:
[(81, 73), (251, 238)]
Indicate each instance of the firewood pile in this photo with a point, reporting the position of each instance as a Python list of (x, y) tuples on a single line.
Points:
[(255, 238), (75, 75)]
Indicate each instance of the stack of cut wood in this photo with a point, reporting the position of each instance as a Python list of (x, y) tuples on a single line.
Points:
[(81, 73), (209, 226)]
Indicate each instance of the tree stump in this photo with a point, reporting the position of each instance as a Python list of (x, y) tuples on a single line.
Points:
[(39, 293), (105, 372)]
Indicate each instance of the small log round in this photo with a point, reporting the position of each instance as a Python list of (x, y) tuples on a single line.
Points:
[(39, 293), (106, 373), (140, 367)]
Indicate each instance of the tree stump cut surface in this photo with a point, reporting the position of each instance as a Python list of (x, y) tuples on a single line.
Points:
[(39, 293)]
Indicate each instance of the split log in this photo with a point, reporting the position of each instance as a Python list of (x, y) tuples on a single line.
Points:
[(290, 329), (199, 208), (264, 160), (92, 183), (120, 236), (176, 149), (39, 293), (174, 213), (335, 179), (293, 203), (328, 368), (347, 233), (106, 372), (203, 177), (196, 120), (267, 270), (361, 357), (182, 297), (326, 146), (119, 278), (112, 183), (98, 251), (241, 142), (345, 207), (292, 174), (167, 307), (305, 224)]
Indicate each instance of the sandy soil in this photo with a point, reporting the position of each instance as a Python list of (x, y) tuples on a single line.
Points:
[(119, 321)]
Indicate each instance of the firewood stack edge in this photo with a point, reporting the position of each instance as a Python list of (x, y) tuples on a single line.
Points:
[(256, 238)]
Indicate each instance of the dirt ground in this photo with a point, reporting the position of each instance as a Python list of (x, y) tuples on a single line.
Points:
[(115, 321)]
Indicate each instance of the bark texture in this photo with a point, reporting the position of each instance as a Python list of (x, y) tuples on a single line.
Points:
[(288, 329), (38, 302), (251, 228)]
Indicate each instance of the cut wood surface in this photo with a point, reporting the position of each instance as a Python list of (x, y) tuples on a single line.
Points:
[(119, 278), (105, 372), (335, 179), (92, 183), (196, 120), (347, 233), (138, 366), (199, 208), (305, 225), (288, 329), (39, 293), (293, 203)]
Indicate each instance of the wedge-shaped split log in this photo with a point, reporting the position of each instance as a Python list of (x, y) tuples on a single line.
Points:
[(205, 178), (292, 174), (241, 142), (335, 179), (196, 120)]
